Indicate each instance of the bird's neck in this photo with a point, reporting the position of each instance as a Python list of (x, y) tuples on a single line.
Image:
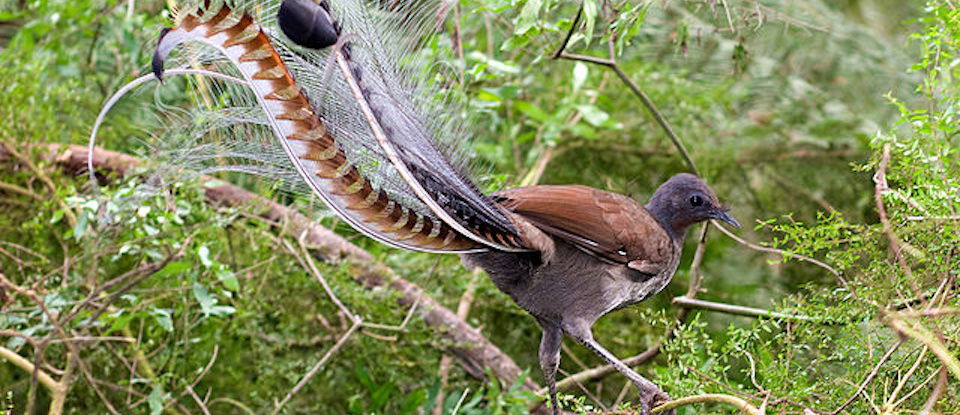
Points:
[(668, 220)]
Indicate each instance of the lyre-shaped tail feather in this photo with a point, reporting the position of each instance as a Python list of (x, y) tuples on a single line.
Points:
[(395, 123), (309, 142)]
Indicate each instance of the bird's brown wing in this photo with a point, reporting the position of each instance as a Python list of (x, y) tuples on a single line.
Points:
[(608, 225)]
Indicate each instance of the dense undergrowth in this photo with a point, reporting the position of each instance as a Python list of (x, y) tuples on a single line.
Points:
[(830, 128)]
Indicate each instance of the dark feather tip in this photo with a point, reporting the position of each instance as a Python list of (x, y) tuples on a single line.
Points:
[(157, 58), (307, 24)]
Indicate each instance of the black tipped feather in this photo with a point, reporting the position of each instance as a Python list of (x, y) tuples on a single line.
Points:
[(307, 24), (158, 56)]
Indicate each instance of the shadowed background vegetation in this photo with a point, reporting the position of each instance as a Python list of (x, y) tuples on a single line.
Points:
[(828, 127)]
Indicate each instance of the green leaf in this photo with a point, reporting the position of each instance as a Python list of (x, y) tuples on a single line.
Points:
[(81, 226), (56, 217), (204, 297), (532, 111), (120, 320), (164, 319), (229, 279), (580, 72), (528, 18), (204, 253), (595, 116), (156, 400), (172, 268), (590, 19)]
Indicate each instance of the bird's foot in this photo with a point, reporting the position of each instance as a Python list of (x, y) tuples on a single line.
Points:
[(653, 398)]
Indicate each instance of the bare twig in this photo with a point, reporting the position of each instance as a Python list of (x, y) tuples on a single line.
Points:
[(213, 358), (881, 187), (463, 308), (240, 405), (938, 390), (573, 28), (741, 310), (307, 261), (912, 328), (316, 368), (782, 252), (199, 401), (744, 406), (12, 188), (39, 174), (873, 373), (611, 63), (889, 405)]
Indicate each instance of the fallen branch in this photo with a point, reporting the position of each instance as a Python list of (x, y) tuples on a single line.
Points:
[(473, 350)]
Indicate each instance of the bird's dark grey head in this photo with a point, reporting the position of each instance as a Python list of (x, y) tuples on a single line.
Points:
[(685, 200)]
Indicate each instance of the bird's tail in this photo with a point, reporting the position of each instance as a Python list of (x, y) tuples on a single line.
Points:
[(355, 119)]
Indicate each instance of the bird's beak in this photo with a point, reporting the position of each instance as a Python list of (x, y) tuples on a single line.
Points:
[(724, 215)]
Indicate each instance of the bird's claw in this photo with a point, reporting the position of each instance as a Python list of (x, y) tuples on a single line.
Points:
[(653, 399)]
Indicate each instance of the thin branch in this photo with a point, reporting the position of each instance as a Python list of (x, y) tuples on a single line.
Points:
[(316, 368), (938, 390), (742, 405), (213, 358), (922, 384), (307, 261), (804, 258), (12, 188), (881, 187), (657, 115), (246, 409), (588, 59), (903, 380), (40, 175), (463, 309), (873, 373), (911, 328), (129, 279), (573, 28), (742, 310), (199, 401)]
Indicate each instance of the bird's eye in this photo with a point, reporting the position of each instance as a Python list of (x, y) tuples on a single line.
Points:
[(696, 201)]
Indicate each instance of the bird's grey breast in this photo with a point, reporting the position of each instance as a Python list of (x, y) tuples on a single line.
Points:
[(626, 286)]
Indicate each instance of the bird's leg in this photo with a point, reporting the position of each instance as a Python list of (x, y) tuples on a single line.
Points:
[(550, 359), (650, 393)]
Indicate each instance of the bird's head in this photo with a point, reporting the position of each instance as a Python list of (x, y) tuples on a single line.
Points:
[(685, 200)]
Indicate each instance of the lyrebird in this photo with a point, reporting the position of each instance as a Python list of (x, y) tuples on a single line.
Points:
[(363, 129)]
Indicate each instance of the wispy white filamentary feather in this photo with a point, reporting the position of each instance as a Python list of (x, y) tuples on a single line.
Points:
[(352, 117)]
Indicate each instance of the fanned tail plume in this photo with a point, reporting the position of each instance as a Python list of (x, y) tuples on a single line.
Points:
[(354, 127)]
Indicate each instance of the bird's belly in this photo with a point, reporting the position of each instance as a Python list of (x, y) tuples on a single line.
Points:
[(573, 285)]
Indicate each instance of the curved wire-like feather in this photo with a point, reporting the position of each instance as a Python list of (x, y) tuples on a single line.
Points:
[(333, 172), (393, 118)]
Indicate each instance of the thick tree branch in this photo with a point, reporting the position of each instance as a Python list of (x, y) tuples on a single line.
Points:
[(19, 361), (473, 350)]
